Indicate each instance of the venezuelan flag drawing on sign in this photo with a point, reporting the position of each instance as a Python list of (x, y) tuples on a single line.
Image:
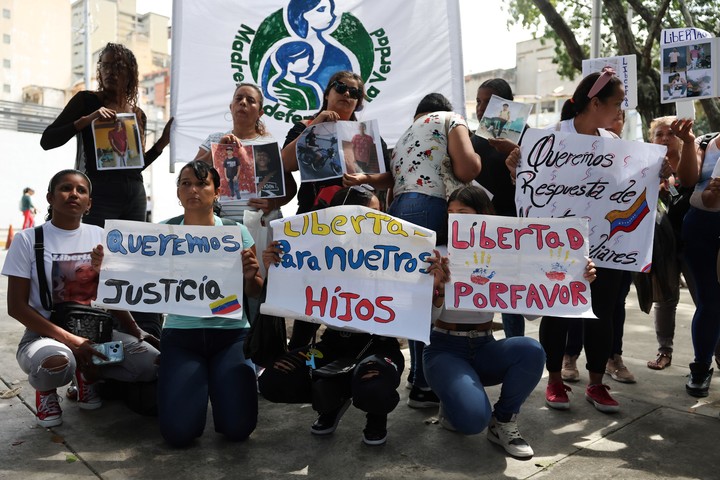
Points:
[(628, 220), (225, 306)]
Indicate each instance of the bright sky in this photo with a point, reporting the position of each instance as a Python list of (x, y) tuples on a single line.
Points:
[(487, 43)]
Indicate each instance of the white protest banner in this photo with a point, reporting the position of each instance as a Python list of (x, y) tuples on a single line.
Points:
[(625, 67), (180, 269), (291, 48), (613, 183), (354, 268), (529, 266)]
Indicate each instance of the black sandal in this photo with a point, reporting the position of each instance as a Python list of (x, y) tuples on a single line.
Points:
[(662, 361)]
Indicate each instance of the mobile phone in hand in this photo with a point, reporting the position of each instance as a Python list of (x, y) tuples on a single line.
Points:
[(112, 350)]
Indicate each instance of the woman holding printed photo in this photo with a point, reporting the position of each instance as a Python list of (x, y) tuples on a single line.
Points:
[(117, 194)]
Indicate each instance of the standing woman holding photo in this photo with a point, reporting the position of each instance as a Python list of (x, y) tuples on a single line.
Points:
[(118, 194)]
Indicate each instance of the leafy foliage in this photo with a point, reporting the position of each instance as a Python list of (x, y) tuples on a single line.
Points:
[(567, 23)]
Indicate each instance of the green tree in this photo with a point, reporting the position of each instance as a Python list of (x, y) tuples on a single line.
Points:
[(567, 23)]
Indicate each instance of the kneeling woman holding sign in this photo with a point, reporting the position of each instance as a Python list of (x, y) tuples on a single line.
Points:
[(63, 281), (203, 357), (463, 357), (347, 367)]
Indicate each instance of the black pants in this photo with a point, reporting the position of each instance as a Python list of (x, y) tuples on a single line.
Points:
[(597, 333), (121, 198), (372, 385)]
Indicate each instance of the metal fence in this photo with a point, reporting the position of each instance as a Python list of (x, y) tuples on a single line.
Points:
[(26, 117)]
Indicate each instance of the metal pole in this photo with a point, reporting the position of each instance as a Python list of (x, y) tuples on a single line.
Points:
[(88, 61), (595, 29)]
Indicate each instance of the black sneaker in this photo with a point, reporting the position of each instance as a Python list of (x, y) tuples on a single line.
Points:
[(419, 398), (375, 432), (326, 423), (698, 385)]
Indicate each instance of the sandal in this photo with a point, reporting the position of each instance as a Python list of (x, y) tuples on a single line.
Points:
[(662, 361)]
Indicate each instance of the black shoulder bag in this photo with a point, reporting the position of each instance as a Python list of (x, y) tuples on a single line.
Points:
[(82, 320)]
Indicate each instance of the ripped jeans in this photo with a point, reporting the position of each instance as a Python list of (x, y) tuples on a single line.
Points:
[(139, 364)]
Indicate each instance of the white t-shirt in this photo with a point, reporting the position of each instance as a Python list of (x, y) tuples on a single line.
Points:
[(235, 210), (67, 258), (568, 126), (708, 170)]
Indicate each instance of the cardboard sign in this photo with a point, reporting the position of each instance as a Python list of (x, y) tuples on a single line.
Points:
[(354, 268), (613, 183), (180, 269), (520, 265)]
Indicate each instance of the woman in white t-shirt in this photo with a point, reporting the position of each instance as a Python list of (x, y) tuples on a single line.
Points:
[(50, 355), (248, 129)]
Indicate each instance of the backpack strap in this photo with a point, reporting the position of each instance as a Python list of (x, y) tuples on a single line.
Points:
[(178, 220), (706, 139), (175, 220), (45, 296)]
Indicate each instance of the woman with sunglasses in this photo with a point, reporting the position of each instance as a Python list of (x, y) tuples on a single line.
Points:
[(432, 159), (342, 98), (371, 385), (117, 194)]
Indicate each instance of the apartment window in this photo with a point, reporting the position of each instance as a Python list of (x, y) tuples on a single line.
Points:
[(6, 62), (6, 13), (6, 88), (6, 38)]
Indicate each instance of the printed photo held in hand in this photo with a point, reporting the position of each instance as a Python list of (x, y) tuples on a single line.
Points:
[(504, 119), (519, 265), (237, 172), (117, 143), (354, 268), (687, 70), (331, 149)]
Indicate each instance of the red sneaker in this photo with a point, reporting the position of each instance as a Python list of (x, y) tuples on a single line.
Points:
[(49, 413), (599, 396), (88, 397), (556, 396)]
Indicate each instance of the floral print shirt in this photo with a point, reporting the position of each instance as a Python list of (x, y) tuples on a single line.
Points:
[(420, 161)]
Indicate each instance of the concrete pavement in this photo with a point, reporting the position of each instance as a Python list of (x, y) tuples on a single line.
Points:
[(660, 432)]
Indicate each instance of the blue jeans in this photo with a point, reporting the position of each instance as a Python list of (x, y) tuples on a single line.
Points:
[(458, 368), (513, 325), (203, 363), (429, 212), (701, 236)]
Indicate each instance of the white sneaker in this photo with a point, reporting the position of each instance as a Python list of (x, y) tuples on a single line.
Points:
[(507, 435), (444, 421)]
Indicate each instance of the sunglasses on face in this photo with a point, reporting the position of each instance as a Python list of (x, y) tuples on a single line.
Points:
[(341, 88)]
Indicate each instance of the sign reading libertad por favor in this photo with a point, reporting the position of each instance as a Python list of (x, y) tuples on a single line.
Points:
[(180, 269), (529, 266), (354, 268)]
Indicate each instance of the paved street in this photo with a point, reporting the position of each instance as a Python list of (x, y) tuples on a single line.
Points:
[(660, 432)]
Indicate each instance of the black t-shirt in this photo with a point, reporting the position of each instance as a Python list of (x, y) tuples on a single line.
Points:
[(63, 129), (495, 176)]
